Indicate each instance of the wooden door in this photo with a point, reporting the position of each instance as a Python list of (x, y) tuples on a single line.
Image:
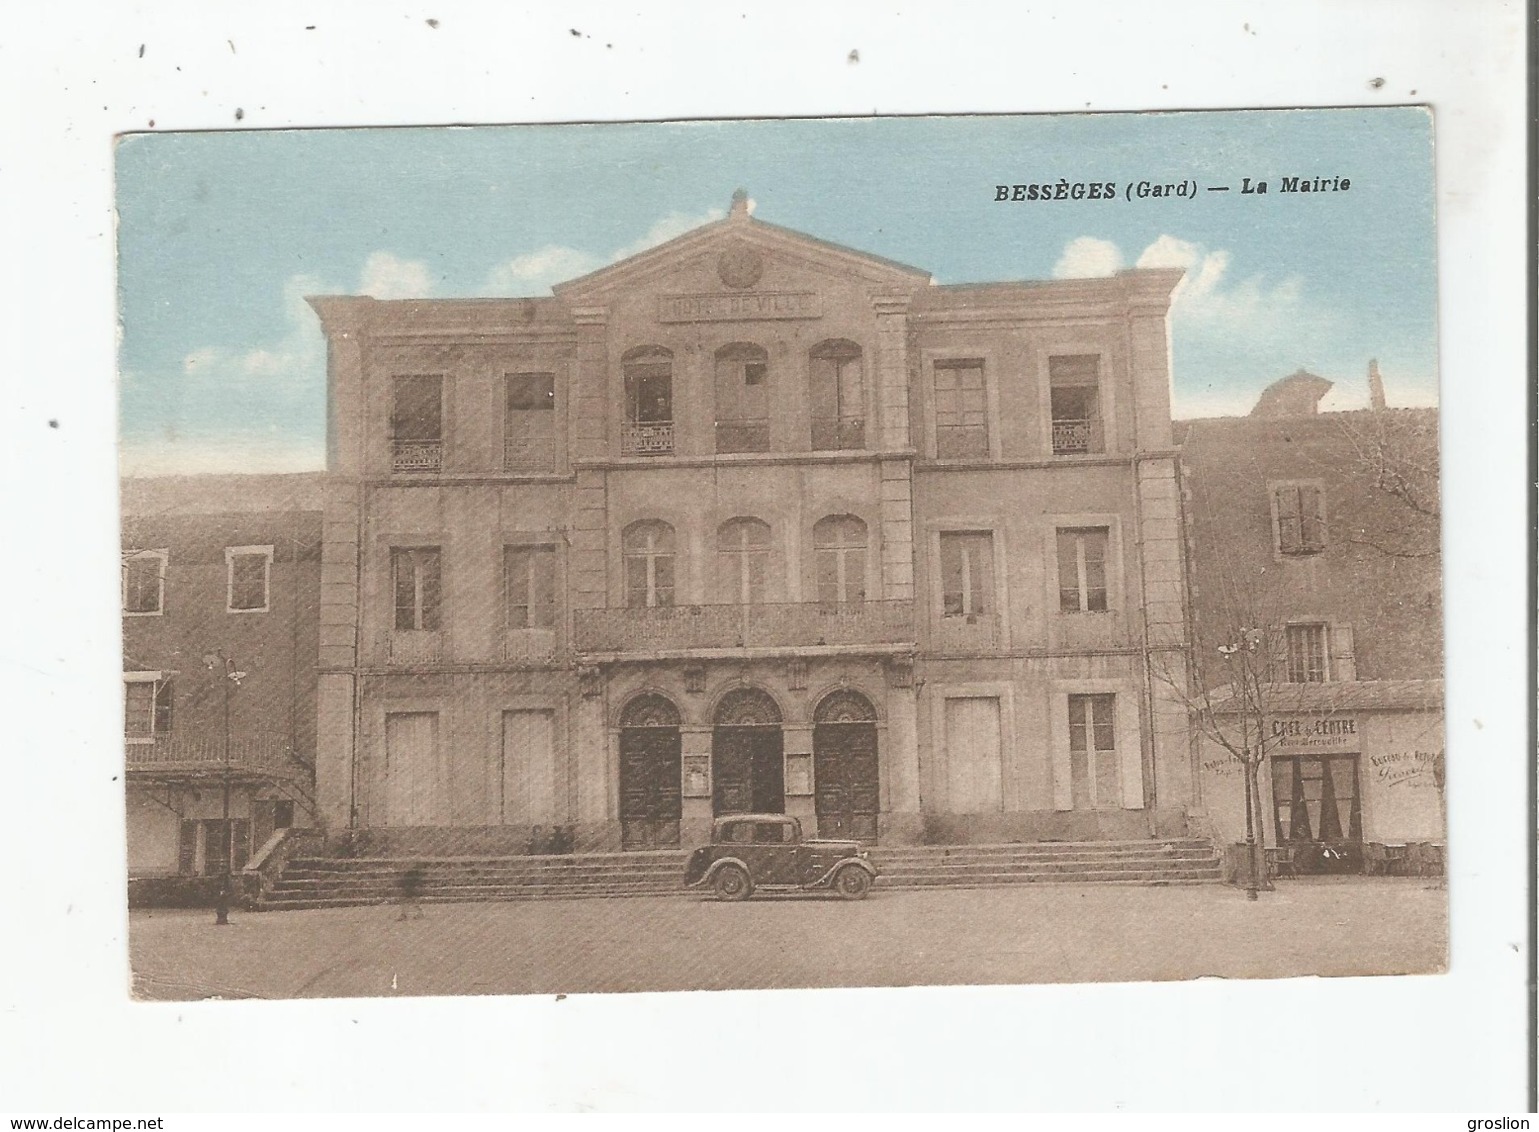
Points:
[(748, 770), (415, 785), (844, 763), (651, 799), (528, 768), (973, 771)]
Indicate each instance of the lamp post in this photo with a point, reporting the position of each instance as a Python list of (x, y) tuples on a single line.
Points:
[(216, 661)]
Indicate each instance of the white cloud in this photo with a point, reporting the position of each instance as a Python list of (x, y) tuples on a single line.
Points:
[(387, 276), (534, 273), (1088, 257)]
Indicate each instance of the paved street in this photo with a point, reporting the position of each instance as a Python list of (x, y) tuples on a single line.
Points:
[(1022, 934)]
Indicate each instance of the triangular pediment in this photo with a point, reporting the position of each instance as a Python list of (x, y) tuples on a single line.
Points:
[(737, 249)]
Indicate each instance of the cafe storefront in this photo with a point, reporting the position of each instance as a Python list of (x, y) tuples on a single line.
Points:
[(1353, 781)]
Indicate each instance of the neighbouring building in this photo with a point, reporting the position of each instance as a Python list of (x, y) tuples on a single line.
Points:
[(1316, 536), (752, 522), (221, 599)]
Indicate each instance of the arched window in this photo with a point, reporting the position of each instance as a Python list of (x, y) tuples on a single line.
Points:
[(647, 548), (648, 401), (839, 544), (742, 398), (838, 395), (742, 560)]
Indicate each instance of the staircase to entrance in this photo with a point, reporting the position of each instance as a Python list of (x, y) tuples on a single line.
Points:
[(323, 882)]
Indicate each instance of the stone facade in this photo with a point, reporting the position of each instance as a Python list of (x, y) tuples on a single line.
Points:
[(231, 565), (751, 520), (1288, 515)]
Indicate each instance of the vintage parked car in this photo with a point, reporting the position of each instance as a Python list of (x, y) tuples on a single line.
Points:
[(766, 851)]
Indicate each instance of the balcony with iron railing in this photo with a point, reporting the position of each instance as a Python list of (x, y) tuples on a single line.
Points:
[(417, 455), (646, 438), (781, 627), (258, 756), (1077, 437)]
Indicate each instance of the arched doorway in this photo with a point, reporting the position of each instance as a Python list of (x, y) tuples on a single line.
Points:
[(650, 797), (747, 755), (844, 766)]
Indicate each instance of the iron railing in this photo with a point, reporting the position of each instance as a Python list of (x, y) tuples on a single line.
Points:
[(1076, 437), (774, 625), (654, 438), (261, 752), (417, 455)]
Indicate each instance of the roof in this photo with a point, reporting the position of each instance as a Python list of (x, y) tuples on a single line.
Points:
[(1347, 696), (144, 496)]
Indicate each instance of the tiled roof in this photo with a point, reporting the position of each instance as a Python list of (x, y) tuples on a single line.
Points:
[(1348, 695)]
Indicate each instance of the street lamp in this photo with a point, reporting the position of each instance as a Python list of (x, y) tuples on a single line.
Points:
[(232, 677)]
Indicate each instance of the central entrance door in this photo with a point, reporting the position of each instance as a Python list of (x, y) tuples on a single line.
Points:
[(651, 802), (1319, 812), (844, 766), (747, 755)]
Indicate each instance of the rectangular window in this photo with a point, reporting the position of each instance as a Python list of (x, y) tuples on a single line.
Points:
[(961, 409), (144, 582), (1307, 654), (146, 709), (529, 423), (1300, 518), (1074, 381), (1093, 763), (967, 573), (417, 423), (1082, 569), (529, 578), (418, 584), (248, 576)]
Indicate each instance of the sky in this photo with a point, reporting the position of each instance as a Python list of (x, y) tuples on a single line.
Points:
[(222, 234)]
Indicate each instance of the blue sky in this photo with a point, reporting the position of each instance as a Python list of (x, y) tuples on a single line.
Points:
[(222, 234)]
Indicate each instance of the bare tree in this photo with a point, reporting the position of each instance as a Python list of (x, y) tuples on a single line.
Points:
[(1394, 454), (1238, 658)]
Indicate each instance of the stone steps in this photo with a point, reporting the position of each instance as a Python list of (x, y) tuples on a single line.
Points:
[(331, 882)]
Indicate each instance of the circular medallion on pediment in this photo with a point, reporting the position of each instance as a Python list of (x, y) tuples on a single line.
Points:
[(739, 266)]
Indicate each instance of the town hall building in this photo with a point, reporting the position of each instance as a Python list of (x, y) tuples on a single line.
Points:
[(752, 522)]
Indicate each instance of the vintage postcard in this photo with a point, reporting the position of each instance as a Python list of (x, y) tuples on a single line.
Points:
[(782, 554)]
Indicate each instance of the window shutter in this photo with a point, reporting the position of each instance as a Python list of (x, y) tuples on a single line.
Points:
[(1288, 520), (163, 701), (1063, 786), (187, 849), (1312, 518)]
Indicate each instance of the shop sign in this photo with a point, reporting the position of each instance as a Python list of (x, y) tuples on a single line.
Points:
[(1311, 734)]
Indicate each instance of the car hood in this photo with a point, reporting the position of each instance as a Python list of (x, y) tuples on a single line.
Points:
[(849, 848)]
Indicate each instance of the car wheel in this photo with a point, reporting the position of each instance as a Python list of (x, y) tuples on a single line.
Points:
[(852, 882), (732, 883)]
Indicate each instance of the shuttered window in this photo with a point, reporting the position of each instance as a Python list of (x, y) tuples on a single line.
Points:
[(1300, 518)]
